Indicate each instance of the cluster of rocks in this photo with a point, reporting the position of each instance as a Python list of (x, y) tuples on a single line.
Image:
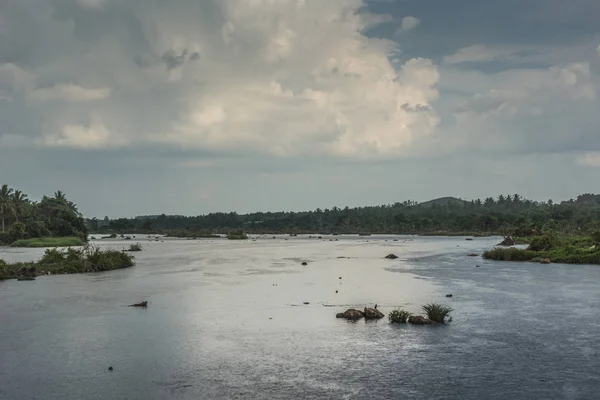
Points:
[(353, 314)]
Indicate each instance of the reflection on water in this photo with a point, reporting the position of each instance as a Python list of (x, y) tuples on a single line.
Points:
[(227, 319)]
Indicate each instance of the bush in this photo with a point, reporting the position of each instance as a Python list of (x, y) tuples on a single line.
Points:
[(596, 237), (237, 235), (135, 247), (544, 243), (399, 316), (438, 312), (510, 254), (52, 256), (49, 242)]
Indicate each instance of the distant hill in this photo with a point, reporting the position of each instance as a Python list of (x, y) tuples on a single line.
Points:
[(442, 202)]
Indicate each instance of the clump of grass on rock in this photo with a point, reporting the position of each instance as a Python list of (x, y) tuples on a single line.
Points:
[(135, 247), (399, 316), (438, 312)]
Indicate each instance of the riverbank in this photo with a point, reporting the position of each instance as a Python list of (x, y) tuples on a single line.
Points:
[(70, 261)]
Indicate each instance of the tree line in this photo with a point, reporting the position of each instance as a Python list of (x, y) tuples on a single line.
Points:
[(504, 214), (22, 218)]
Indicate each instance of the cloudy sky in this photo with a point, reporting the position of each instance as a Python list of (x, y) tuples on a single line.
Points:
[(192, 106)]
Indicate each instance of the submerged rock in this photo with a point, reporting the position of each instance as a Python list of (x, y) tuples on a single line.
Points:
[(420, 320), (304, 263), (351, 314), (473, 255), (391, 256), (26, 278), (449, 295), (142, 304), (372, 313)]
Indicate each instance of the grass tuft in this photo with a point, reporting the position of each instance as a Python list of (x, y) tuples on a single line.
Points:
[(399, 316), (438, 312)]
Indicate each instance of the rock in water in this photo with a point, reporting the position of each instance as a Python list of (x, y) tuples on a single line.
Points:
[(304, 263), (545, 261), (449, 295), (372, 313), (420, 320), (391, 256), (350, 314), (142, 304)]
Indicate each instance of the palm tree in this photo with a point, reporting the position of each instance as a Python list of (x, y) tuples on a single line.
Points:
[(58, 195), (6, 203), (20, 202)]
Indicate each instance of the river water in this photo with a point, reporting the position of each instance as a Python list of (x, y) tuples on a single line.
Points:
[(226, 320)]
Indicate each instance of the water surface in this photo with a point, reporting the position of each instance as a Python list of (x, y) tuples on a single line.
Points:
[(226, 319)]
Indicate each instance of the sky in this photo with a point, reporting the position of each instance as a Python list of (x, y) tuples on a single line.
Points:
[(136, 107)]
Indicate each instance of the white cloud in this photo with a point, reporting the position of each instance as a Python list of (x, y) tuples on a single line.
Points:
[(294, 77), (91, 136), (589, 159), (479, 53), (70, 93), (533, 92), (409, 23)]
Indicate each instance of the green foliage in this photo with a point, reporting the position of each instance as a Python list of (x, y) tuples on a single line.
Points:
[(52, 216), (135, 247), (399, 316), (596, 236), (49, 242), (52, 256), (564, 250), (183, 233), (545, 242), (510, 254), (71, 261), (437, 312), (510, 215), (236, 235)]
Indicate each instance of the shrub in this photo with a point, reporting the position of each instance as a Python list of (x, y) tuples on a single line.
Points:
[(52, 256), (544, 243), (510, 254), (236, 235), (438, 312), (135, 247), (399, 316), (596, 237)]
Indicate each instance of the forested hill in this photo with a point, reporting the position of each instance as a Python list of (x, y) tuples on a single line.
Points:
[(503, 214)]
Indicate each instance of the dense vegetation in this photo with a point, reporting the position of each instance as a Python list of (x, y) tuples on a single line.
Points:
[(504, 214), (21, 218), (70, 261), (553, 248), (68, 241)]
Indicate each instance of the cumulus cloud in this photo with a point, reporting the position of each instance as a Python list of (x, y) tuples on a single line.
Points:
[(86, 137), (280, 77), (409, 23), (69, 92)]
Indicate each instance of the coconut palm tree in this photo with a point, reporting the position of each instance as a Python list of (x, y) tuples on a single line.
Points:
[(6, 204), (20, 202)]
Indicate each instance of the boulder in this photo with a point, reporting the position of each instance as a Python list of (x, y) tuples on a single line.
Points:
[(545, 261), (350, 314), (304, 263), (372, 313), (391, 256), (420, 320)]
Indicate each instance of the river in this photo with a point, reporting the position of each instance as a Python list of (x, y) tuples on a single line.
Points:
[(227, 320)]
